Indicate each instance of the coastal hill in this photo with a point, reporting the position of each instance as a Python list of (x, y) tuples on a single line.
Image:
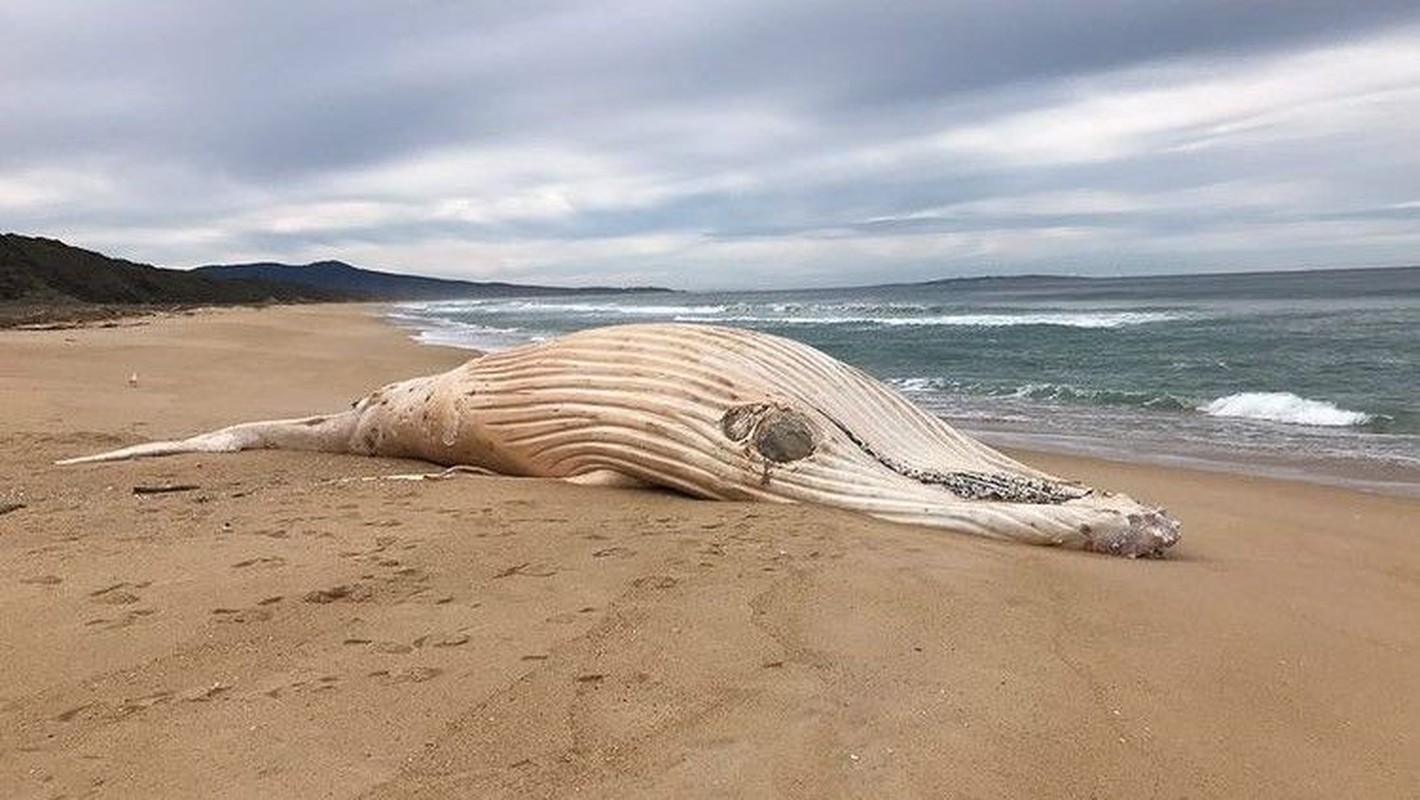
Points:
[(1279, 284), (338, 276), (36, 269), (45, 281)]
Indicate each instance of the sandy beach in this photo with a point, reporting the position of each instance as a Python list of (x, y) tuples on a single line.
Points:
[(299, 625)]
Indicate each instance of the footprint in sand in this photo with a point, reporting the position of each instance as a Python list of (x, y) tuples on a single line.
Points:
[(119, 594), (136, 704), (241, 615), (128, 618), (261, 561), (407, 675), (567, 617), (346, 592), (525, 569), (203, 694), (106, 710), (655, 582), (74, 713), (324, 683)]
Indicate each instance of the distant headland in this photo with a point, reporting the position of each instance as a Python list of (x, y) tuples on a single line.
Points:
[(45, 282)]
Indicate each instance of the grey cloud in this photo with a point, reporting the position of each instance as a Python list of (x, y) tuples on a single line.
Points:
[(199, 114), (267, 88)]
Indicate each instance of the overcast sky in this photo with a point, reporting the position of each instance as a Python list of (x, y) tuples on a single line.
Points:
[(718, 144)]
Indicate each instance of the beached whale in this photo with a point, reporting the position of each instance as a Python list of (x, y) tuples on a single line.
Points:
[(713, 412)]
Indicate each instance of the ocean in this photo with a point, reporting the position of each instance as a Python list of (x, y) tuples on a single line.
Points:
[(1312, 375)]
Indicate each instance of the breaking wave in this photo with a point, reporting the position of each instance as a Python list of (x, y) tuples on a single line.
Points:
[(1048, 392), (887, 314), (1092, 319), (464, 335), (1284, 407)]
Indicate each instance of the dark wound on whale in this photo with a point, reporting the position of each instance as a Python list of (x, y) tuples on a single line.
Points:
[(779, 434)]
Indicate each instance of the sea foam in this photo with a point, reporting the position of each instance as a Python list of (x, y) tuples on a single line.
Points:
[(1062, 319), (1284, 407)]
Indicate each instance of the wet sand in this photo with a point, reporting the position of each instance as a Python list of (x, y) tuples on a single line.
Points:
[(295, 625)]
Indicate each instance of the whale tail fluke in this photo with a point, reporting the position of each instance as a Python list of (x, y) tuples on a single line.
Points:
[(327, 433), (196, 444)]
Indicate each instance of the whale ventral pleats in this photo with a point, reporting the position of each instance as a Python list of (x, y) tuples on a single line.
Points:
[(779, 434)]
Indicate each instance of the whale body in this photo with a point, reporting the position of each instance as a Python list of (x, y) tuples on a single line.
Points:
[(712, 412)]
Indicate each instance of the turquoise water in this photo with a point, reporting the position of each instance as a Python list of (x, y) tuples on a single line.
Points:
[(1314, 373)]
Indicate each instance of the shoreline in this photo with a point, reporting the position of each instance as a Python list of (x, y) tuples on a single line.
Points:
[(1372, 476), (1380, 479), (286, 624)]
